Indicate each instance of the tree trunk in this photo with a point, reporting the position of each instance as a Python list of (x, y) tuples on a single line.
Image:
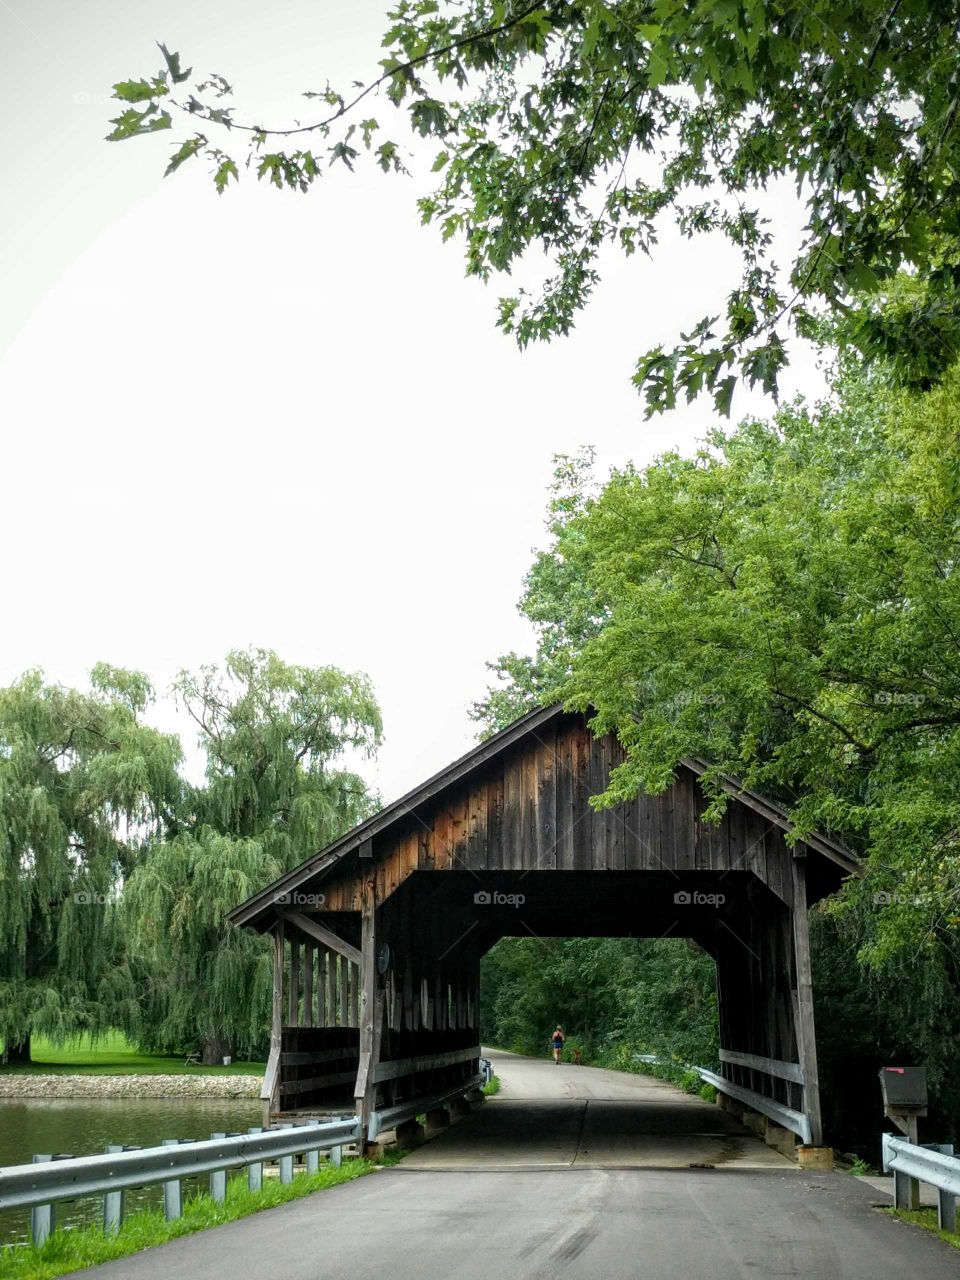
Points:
[(216, 1047), (17, 1054)]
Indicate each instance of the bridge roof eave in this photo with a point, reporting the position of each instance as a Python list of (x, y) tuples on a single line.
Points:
[(261, 904)]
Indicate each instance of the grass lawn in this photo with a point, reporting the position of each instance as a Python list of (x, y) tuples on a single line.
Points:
[(114, 1055), (85, 1247)]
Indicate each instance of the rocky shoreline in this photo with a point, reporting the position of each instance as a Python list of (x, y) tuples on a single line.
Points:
[(28, 1085)]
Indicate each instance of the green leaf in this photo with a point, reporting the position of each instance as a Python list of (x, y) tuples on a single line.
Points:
[(225, 171), (137, 91), (173, 65), (132, 123), (188, 150)]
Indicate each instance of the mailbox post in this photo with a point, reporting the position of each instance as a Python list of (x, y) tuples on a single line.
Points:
[(904, 1101)]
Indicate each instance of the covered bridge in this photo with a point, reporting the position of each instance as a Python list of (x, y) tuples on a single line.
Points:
[(377, 939)]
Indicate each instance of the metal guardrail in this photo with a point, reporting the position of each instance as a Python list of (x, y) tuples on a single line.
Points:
[(486, 1070), (49, 1179), (930, 1162), (388, 1117), (797, 1122)]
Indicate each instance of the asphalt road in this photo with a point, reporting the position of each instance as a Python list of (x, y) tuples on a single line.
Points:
[(545, 1207), (547, 1117)]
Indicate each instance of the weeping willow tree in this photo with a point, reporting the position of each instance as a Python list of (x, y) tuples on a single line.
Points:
[(83, 782), (276, 789)]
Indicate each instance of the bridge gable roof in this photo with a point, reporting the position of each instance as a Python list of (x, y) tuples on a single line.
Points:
[(258, 910)]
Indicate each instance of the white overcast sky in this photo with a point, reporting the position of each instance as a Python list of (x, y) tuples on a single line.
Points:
[(275, 419)]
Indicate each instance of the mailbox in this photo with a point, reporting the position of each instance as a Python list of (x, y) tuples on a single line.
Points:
[(904, 1089)]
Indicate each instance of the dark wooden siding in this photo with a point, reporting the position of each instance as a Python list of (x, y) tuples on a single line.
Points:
[(529, 810)]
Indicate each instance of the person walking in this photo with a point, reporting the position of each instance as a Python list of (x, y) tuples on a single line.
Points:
[(556, 1041)]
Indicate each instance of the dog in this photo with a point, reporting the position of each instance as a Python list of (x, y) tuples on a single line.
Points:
[(577, 1058)]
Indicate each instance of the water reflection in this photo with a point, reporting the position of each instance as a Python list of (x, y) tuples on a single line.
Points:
[(82, 1126)]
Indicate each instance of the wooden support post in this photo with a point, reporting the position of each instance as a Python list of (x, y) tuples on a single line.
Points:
[(371, 1011), (271, 1092), (293, 1010), (308, 984), (806, 1033)]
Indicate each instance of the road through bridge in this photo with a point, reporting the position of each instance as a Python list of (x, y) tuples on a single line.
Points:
[(570, 1172)]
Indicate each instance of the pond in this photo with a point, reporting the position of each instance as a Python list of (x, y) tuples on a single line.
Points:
[(83, 1126)]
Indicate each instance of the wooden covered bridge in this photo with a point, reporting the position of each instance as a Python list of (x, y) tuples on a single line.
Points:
[(378, 938)]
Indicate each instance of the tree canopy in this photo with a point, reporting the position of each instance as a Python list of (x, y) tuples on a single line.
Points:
[(275, 791), (83, 783), (783, 604), (570, 126)]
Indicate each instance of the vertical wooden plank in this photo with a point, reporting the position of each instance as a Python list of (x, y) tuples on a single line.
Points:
[(684, 826), (581, 826), (476, 848), (806, 1033), (566, 799), (331, 989), (343, 990), (597, 820), (271, 1103), (529, 821), (495, 839), (293, 1003), (440, 827), (666, 846), (459, 828), (512, 857), (355, 981), (370, 1009), (321, 985), (546, 785), (307, 985)]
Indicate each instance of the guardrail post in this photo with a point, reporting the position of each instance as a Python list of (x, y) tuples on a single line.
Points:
[(113, 1201), (313, 1161), (336, 1157), (172, 1200), (42, 1216), (255, 1170), (218, 1179), (946, 1201), (285, 1163)]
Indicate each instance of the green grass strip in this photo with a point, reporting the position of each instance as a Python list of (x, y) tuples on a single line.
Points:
[(492, 1087), (926, 1218), (82, 1247)]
